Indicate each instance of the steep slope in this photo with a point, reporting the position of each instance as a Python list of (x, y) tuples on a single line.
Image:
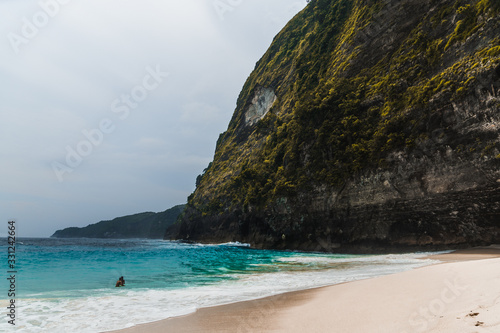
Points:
[(143, 225), (368, 124)]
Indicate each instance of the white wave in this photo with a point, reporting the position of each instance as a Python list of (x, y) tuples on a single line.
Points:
[(235, 244), (411, 258), (123, 308)]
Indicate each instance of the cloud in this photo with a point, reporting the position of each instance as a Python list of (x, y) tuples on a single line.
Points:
[(197, 112)]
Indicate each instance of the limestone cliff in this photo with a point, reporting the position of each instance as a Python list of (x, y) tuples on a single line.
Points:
[(367, 125)]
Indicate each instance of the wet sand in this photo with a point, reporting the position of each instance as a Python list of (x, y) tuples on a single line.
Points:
[(460, 295)]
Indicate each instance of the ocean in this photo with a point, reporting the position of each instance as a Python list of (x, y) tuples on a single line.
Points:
[(68, 285)]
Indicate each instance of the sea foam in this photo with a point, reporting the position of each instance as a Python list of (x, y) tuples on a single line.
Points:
[(200, 276)]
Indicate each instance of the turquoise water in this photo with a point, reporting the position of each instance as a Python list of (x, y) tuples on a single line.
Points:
[(61, 283), (70, 266)]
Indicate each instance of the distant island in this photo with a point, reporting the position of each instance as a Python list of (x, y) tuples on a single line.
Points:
[(143, 225)]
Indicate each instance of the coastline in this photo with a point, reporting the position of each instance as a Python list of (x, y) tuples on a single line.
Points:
[(459, 294)]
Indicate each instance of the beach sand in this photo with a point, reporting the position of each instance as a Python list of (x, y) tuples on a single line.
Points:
[(460, 295)]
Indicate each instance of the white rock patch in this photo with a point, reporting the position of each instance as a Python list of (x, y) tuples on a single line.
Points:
[(262, 102)]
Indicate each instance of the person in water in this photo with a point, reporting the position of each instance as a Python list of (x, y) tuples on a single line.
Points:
[(120, 282)]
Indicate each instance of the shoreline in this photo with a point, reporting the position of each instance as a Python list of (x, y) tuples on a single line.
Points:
[(420, 300)]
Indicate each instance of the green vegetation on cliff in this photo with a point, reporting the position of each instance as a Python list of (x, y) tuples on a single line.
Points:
[(343, 102), (357, 83), (143, 225)]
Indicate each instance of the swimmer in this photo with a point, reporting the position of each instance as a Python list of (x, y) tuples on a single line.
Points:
[(120, 282)]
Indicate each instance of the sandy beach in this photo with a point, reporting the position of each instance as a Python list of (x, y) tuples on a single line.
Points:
[(462, 294)]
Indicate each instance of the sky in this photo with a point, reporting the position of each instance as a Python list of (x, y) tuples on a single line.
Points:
[(111, 108)]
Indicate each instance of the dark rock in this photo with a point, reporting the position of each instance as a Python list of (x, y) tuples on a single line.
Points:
[(383, 135)]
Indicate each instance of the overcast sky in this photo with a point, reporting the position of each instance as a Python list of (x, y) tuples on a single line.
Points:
[(110, 108)]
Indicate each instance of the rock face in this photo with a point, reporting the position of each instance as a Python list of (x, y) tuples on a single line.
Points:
[(261, 104), (367, 126)]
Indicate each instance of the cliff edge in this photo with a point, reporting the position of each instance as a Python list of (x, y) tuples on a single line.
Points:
[(367, 125)]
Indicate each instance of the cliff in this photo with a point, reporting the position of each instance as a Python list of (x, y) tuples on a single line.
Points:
[(143, 225), (367, 125)]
